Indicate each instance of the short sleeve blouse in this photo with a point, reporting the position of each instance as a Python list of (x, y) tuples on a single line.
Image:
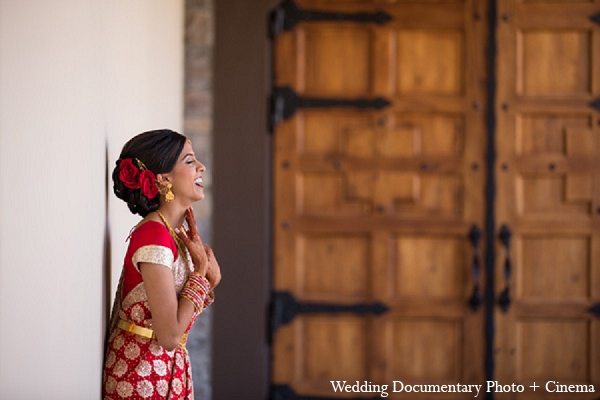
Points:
[(149, 242)]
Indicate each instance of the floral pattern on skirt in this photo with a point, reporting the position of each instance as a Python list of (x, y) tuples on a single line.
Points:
[(139, 368)]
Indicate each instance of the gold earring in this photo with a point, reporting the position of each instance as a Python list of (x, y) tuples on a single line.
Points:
[(169, 197), (166, 191)]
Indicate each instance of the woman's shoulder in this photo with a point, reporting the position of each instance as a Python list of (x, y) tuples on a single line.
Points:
[(151, 232), (152, 242)]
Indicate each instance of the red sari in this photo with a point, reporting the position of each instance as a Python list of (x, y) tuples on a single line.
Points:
[(137, 367)]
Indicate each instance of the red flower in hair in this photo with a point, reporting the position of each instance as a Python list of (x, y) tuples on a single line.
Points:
[(148, 184), (129, 174)]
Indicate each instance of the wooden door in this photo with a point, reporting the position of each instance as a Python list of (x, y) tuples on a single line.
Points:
[(376, 206), (548, 144)]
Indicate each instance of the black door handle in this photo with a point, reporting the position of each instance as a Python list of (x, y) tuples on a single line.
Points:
[(475, 237), (504, 299)]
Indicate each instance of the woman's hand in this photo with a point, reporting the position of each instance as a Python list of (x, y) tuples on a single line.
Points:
[(214, 271), (194, 244)]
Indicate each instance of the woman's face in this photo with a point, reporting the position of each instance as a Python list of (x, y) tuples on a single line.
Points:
[(186, 176)]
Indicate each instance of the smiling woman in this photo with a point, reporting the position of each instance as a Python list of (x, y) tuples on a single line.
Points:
[(168, 274)]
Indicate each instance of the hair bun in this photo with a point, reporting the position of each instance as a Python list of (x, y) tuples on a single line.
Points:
[(160, 150)]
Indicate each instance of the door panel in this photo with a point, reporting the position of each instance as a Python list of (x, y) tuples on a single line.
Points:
[(548, 195), (376, 206), (334, 46)]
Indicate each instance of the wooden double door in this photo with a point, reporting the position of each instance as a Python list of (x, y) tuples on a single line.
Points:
[(436, 183)]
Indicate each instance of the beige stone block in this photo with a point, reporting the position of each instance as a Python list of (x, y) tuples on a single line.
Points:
[(198, 125), (198, 103), (198, 67), (199, 28), (198, 4)]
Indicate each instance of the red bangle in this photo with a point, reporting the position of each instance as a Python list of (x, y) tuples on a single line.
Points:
[(196, 290)]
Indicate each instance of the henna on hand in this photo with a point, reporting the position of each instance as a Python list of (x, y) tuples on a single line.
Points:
[(194, 244)]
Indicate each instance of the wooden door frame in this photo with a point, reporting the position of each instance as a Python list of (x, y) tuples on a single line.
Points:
[(242, 198), (241, 174)]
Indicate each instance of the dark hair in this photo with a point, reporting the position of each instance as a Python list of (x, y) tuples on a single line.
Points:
[(158, 150)]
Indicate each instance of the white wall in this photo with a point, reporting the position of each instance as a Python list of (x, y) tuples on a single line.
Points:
[(77, 79)]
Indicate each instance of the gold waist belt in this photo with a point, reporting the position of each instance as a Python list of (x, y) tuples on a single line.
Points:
[(145, 332), (138, 330)]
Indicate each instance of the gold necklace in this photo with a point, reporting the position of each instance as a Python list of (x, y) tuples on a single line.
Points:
[(178, 242)]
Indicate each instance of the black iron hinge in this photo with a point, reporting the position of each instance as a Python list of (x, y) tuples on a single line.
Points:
[(595, 309), (285, 102), (288, 14), (284, 392), (284, 308)]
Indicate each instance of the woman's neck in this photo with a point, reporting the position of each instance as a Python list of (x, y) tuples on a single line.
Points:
[(174, 214)]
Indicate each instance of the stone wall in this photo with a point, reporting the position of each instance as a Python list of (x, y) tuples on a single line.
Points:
[(199, 41)]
